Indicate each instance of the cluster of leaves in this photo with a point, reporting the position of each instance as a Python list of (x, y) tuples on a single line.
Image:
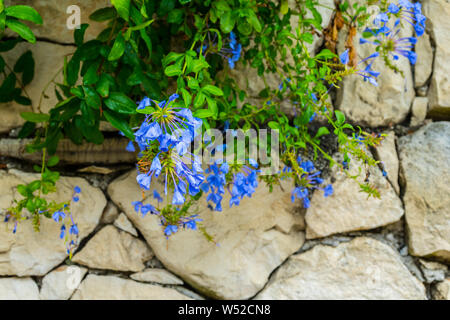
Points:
[(13, 87), (155, 48)]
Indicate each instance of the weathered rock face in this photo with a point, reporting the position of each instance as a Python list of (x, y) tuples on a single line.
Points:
[(389, 102), (425, 164), (36, 253), (157, 275), (387, 153), (124, 224), (112, 249), (61, 283), (419, 110), (253, 239), (438, 25), (349, 209), (49, 58), (114, 288), (55, 16), (18, 289), (361, 269), (424, 64), (442, 290)]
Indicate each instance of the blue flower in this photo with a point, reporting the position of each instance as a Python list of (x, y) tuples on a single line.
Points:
[(328, 190), (77, 189), (344, 57), (157, 196), (170, 229), (144, 181), (73, 229), (75, 198), (148, 208), (58, 215), (63, 231), (137, 205), (130, 147)]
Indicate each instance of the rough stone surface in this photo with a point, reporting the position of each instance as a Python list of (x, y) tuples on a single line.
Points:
[(253, 239), (433, 271), (36, 253), (18, 289), (349, 209), (424, 64), (113, 288), (124, 224), (110, 214), (157, 275), (388, 103), (442, 290), (48, 59), (112, 249), (61, 283), (438, 25), (361, 269), (419, 110), (387, 153), (55, 16), (425, 165)]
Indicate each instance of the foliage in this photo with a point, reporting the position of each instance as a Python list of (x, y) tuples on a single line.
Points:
[(175, 59)]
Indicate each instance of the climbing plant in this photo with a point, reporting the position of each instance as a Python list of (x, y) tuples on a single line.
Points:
[(165, 72)]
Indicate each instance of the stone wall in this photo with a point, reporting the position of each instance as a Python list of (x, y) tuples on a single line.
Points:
[(344, 247)]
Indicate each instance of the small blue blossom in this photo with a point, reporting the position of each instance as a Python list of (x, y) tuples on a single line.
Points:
[(58, 215), (77, 189), (328, 190), (157, 196), (73, 229), (170, 229), (63, 232)]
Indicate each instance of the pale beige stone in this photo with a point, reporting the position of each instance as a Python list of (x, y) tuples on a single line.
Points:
[(62, 282), (438, 26), (252, 239), (54, 14), (425, 167), (18, 289), (112, 249), (35, 253), (110, 214), (442, 290), (49, 58), (419, 110), (349, 209), (157, 275), (124, 224), (113, 288), (386, 152), (361, 269), (424, 64)]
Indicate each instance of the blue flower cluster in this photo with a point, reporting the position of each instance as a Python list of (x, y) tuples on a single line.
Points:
[(235, 50), (164, 139), (388, 39), (243, 182), (310, 180)]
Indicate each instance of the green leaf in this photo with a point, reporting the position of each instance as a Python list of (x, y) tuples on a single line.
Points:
[(122, 7), (35, 117), (2, 64), (53, 161), (87, 114), (72, 70), (325, 53), (172, 70), (186, 97), (213, 90), (253, 19), (175, 16), (120, 123), (78, 34), (27, 129), (340, 117), (274, 125), (118, 48), (22, 190), (92, 98), (103, 14), (24, 13), (203, 113), (103, 86), (284, 7), (321, 132), (21, 29), (227, 22), (120, 103), (25, 64)]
